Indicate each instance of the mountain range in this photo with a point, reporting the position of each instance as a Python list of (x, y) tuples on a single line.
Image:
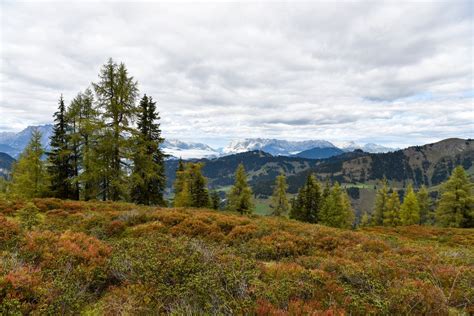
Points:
[(14, 143)]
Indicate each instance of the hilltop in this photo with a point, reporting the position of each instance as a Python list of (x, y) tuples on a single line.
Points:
[(112, 258)]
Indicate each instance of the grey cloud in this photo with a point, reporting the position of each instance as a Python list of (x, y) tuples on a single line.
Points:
[(337, 70)]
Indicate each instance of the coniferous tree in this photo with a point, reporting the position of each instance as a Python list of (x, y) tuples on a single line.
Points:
[(424, 201), (215, 200), (279, 201), (391, 216), (410, 210), (29, 176), (308, 203), (191, 186), (456, 205), (337, 210), (381, 200), (148, 178), (116, 94), (60, 168), (240, 196), (364, 220), (86, 127)]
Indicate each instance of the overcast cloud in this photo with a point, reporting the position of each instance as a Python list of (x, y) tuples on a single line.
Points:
[(391, 73)]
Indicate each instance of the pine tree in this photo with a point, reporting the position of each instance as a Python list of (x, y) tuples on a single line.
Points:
[(381, 200), (116, 94), (410, 210), (29, 176), (424, 201), (337, 210), (60, 167), (308, 203), (456, 205), (391, 216), (197, 185), (215, 200), (279, 202), (148, 178), (240, 196)]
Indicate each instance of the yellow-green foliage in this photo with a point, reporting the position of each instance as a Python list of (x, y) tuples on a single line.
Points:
[(119, 258)]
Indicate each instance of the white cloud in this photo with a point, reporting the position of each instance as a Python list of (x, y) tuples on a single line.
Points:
[(393, 73)]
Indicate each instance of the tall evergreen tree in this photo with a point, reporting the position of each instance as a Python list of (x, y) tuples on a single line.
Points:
[(410, 210), (308, 203), (240, 196), (424, 201), (381, 200), (148, 175), (215, 200), (116, 94), (279, 201), (60, 168), (29, 176), (456, 205), (191, 186), (391, 215), (337, 210)]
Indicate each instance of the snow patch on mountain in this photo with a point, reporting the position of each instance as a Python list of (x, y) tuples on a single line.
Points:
[(274, 146), (188, 150), (369, 147)]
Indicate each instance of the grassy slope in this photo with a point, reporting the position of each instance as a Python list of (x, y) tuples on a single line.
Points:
[(112, 258)]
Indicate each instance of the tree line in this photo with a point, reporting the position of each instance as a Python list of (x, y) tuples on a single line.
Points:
[(96, 150), (455, 207)]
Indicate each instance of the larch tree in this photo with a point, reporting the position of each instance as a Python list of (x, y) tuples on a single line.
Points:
[(191, 186), (279, 200), (380, 207), (29, 175), (148, 173), (240, 195), (60, 167), (116, 93), (424, 201), (456, 205), (410, 210), (308, 202), (337, 210), (391, 215)]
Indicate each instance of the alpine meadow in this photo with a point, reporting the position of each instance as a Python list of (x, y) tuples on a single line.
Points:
[(242, 158)]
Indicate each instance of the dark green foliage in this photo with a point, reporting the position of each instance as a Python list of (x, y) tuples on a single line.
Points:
[(148, 179), (381, 201), (60, 160), (309, 201), (215, 200), (240, 195), (456, 205)]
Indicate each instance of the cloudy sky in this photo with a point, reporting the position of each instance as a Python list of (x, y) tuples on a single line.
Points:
[(385, 72)]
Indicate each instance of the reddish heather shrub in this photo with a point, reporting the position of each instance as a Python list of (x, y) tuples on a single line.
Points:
[(194, 227), (147, 228), (9, 232), (48, 204), (22, 284), (241, 234), (115, 228), (170, 218), (416, 297), (376, 246), (8, 207), (280, 244), (83, 248)]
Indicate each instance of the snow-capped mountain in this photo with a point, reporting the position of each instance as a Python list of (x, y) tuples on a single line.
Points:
[(188, 150), (14, 143), (275, 147), (369, 147)]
